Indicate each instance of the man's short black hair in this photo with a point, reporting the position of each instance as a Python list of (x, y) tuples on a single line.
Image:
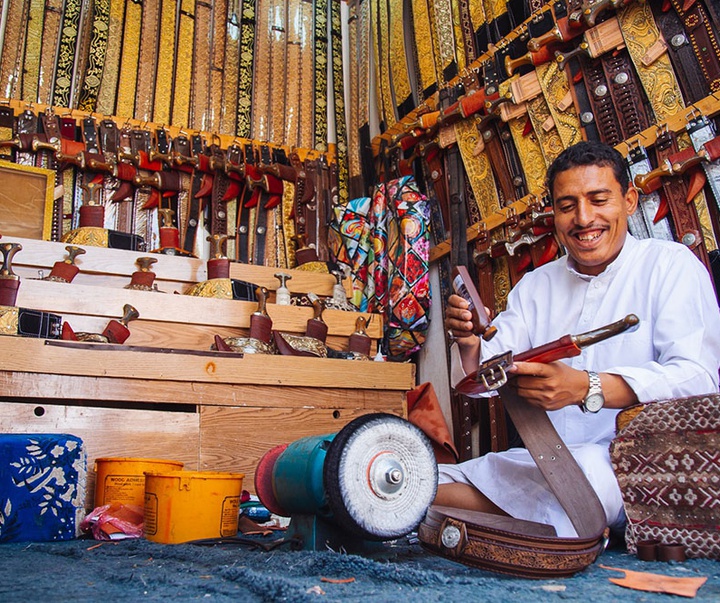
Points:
[(589, 153)]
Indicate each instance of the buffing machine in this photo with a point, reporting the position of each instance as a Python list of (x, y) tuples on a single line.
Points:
[(372, 481)]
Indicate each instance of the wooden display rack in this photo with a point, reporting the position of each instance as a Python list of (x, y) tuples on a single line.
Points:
[(162, 394)]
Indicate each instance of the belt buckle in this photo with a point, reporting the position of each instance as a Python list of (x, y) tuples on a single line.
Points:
[(490, 376)]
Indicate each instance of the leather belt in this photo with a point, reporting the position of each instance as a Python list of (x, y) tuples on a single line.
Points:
[(247, 66), (687, 224), (544, 126), (703, 38), (649, 204), (218, 59), (201, 64), (129, 61), (162, 97), (194, 202), (48, 53), (556, 89), (517, 547), (306, 105), (107, 92), (231, 68), (402, 93), (628, 98), (261, 99), (321, 54), (693, 84), (598, 94), (652, 64), (355, 183), (340, 193), (425, 48), (277, 74), (147, 73), (382, 65), (13, 48), (146, 200), (180, 108), (33, 47), (87, 99), (529, 151), (51, 127)]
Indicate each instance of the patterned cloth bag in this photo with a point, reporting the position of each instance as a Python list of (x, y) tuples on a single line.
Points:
[(667, 462), (385, 242)]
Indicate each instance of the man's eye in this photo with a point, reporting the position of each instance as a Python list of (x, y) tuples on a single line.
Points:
[(565, 207)]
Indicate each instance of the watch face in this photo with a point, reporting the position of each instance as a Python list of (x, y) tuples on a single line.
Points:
[(594, 402)]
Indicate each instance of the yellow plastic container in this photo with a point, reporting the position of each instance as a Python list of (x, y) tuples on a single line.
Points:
[(181, 506), (122, 479)]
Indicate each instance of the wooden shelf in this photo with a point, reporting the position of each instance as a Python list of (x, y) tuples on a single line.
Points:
[(163, 393)]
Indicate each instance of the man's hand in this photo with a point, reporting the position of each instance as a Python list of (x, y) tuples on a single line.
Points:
[(550, 386), (458, 322)]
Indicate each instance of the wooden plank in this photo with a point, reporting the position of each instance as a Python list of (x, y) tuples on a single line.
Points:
[(108, 432), (74, 299), (35, 356), (235, 439), (99, 261), (55, 389)]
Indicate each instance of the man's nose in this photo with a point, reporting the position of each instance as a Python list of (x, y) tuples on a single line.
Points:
[(584, 212)]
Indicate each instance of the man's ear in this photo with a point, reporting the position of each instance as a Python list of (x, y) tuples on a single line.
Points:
[(631, 200)]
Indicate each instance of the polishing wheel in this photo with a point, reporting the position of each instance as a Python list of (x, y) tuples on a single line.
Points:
[(264, 480), (380, 477)]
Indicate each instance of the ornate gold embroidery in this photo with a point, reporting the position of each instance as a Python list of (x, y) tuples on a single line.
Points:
[(529, 150), (321, 58), (398, 55), (556, 88), (424, 44), (111, 68), (202, 49), (231, 67), (217, 66), (306, 106), (33, 43), (544, 126), (247, 59), (165, 63), (9, 318), (66, 53), (183, 69), (640, 33), (96, 56), (87, 235), (482, 182)]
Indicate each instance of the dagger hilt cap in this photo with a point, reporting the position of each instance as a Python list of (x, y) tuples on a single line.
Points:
[(73, 252), (318, 306), (167, 216), (129, 314), (8, 251), (144, 263)]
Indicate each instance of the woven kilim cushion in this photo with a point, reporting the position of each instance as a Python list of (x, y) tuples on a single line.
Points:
[(667, 462)]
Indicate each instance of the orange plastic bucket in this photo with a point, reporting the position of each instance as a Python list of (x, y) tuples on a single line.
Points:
[(122, 479), (191, 505)]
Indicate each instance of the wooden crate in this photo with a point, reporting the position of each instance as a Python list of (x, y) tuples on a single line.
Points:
[(164, 394)]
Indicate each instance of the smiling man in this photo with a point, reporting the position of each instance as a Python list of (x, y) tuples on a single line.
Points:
[(605, 275)]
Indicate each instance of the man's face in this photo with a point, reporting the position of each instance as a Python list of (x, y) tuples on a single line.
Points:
[(591, 215)]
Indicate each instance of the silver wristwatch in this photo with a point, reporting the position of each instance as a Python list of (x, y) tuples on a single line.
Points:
[(594, 400)]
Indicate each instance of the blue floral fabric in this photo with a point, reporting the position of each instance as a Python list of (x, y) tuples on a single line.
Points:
[(42, 486)]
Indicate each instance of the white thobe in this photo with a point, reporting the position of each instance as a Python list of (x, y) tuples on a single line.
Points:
[(675, 352)]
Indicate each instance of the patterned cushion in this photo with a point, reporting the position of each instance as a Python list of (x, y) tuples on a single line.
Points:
[(667, 462)]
